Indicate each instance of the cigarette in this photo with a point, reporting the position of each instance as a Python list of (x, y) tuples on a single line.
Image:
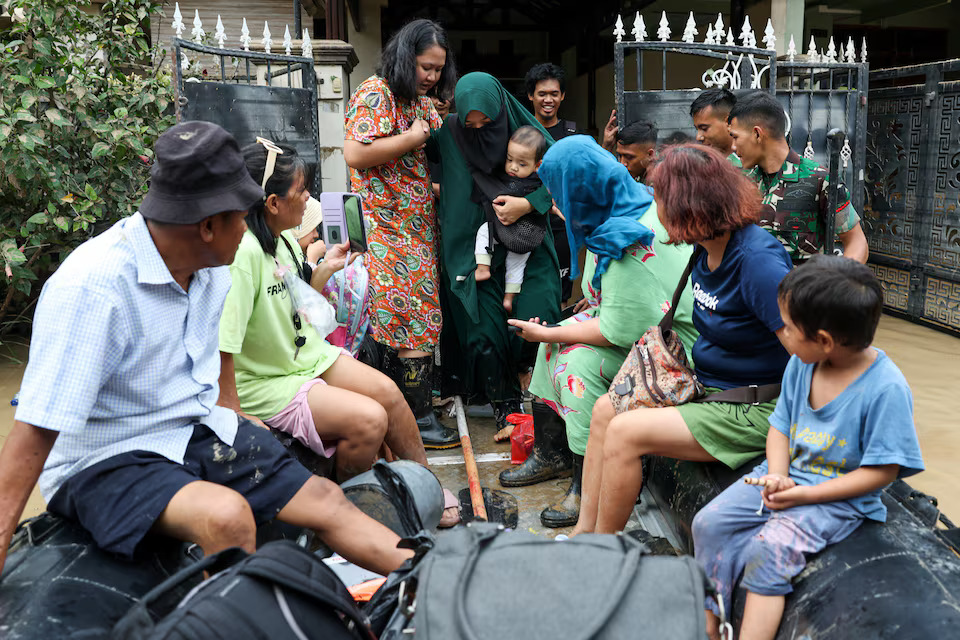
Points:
[(760, 482)]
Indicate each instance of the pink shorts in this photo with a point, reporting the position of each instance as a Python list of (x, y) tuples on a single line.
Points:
[(297, 420)]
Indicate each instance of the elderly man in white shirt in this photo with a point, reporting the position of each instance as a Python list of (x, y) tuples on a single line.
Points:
[(118, 415)]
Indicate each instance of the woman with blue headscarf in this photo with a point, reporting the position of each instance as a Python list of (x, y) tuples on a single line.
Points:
[(630, 274)]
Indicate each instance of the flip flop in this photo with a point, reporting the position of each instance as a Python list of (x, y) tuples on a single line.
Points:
[(503, 435), (450, 502)]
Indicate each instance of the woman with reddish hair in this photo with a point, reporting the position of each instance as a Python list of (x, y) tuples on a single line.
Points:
[(703, 200)]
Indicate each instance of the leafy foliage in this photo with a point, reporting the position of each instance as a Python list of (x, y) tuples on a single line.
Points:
[(83, 97)]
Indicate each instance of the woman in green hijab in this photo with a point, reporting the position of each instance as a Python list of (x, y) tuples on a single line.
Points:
[(480, 357)]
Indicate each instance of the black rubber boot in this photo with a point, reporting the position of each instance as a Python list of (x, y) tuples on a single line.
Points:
[(415, 381), (550, 458), (566, 512)]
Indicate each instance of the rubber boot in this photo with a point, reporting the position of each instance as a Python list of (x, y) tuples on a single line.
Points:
[(566, 512), (415, 381), (550, 457)]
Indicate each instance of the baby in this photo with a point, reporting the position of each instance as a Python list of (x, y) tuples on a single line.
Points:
[(524, 154)]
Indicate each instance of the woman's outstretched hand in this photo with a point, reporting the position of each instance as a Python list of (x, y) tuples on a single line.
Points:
[(533, 330), (509, 209), (336, 257)]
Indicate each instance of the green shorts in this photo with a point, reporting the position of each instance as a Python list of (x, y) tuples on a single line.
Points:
[(732, 433)]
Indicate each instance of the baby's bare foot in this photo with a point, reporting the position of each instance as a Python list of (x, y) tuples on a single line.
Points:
[(482, 273), (508, 302)]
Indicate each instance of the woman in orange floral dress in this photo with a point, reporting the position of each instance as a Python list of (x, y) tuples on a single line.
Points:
[(388, 121)]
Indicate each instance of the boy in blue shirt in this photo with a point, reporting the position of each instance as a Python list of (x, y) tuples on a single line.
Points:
[(842, 431)]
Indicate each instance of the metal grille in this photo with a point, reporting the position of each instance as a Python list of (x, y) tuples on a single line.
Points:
[(253, 94), (912, 182)]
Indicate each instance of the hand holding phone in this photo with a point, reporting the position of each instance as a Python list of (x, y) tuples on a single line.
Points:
[(343, 220)]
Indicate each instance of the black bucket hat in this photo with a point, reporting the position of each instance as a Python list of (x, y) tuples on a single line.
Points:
[(198, 172)]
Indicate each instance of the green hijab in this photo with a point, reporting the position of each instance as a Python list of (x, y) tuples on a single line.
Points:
[(486, 146)]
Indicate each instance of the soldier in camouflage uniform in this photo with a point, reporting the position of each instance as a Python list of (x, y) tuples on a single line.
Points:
[(710, 112), (794, 189)]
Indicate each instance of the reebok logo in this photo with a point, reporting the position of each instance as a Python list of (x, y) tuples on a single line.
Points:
[(704, 298)]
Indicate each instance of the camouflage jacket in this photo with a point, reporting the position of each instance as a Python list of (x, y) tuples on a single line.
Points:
[(795, 205)]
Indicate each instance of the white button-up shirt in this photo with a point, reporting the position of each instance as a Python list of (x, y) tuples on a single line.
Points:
[(121, 357)]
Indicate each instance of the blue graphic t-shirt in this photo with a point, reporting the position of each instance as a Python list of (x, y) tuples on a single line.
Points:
[(735, 310), (868, 423)]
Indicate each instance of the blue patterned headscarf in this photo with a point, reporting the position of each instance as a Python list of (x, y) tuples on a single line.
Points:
[(599, 198)]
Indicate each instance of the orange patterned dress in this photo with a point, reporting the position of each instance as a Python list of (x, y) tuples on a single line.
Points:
[(401, 218)]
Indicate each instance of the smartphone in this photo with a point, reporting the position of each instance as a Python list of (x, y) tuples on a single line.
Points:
[(343, 220)]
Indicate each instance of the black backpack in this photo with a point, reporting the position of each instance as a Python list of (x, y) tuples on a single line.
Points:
[(282, 592)]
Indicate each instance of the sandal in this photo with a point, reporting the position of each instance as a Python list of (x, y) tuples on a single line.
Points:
[(451, 510)]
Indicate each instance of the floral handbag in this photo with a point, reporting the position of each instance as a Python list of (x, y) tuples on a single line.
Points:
[(656, 372)]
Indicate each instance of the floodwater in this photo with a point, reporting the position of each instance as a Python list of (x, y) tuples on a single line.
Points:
[(929, 359)]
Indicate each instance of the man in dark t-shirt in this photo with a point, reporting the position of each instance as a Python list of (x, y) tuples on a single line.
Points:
[(545, 85)]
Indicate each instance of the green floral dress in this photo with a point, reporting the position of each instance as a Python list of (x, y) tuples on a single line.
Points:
[(635, 293), (401, 219)]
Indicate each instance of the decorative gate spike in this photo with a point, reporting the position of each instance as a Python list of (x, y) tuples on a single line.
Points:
[(812, 50), (708, 39), (747, 38), (267, 41), (184, 61), (220, 34), (639, 31), (306, 47), (177, 24), (791, 49), (197, 31), (831, 51), (664, 31), (287, 42), (245, 36), (730, 40), (690, 30), (863, 51), (769, 36), (618, 31), (718, 27), (851, 52)]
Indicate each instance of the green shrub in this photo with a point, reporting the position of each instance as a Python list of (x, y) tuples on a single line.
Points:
[(83, 97)]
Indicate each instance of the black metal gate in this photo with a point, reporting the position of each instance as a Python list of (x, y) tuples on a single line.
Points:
[(283, 110), (912, 179), (819, 91)]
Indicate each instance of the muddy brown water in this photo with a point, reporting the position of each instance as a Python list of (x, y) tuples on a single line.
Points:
[(929, 359)]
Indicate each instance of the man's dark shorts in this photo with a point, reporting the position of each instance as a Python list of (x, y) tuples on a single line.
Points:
[(118, 500)]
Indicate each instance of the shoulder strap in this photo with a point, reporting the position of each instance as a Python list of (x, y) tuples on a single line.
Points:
[(570, 126), (302, 267), (666, 323)]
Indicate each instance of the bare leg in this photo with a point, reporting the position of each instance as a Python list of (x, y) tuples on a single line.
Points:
[(402, 434), (210, 515), (354, 421), (713, 625), (508, 301), (761, 617), (603, 413), (321, 506), (482, 273), (629, 436)]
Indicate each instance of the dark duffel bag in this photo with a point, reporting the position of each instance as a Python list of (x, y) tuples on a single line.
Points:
[(481, 581), (281, 592)]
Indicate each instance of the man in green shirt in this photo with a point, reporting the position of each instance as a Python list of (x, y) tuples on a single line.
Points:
[(710, 112), (794, 189)]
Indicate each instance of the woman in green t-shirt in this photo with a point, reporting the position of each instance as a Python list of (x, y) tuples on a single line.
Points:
[(630, 274), (275, 368)]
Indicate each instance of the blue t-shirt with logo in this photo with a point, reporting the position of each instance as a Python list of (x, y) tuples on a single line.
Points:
[(869, 423), (735, 310)]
